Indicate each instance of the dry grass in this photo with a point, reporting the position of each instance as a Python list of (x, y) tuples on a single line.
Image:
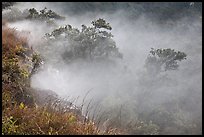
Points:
[(39, 121), (11, 40)]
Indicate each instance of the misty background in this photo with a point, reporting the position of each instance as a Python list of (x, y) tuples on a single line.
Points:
[(137, 27)]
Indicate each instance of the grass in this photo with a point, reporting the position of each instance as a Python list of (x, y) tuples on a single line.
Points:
[(28, 121)]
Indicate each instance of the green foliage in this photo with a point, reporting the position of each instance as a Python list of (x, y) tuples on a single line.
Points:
[(44, 14), (49, 16), (9, 126), (101, 23), (163, 59), (22, 105), (89, 43), (6, 5)]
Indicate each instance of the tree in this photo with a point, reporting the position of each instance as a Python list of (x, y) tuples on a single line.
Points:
[(44, 14), (6, 5), (89, 43), (163, 60), (101, 23), (14, 14), (159, 60)]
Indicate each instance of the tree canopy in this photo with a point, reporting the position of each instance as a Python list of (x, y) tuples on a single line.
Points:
[(164, 59), (44, 14), (88, 43)]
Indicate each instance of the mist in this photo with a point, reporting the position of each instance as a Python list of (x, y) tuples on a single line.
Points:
[(123, 82)]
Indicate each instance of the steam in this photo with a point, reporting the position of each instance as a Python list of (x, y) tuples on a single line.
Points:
[(125, 81)]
